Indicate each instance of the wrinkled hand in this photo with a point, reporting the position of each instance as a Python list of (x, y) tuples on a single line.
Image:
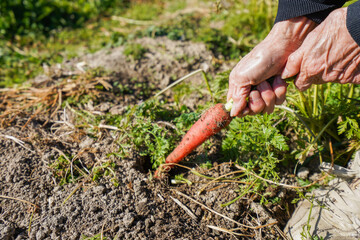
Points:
[(267, 59), (328, 54)]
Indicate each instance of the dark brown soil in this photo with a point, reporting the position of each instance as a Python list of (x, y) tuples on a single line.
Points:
[(138, 208)]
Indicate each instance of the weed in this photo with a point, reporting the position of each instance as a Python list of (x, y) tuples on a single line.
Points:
[(179, 179), (63, 170), (305, 234), (95, 237), (135, 50), (105, 170), (144, 11)]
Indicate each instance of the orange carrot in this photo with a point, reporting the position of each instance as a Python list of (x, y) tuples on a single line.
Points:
[(210, 123)]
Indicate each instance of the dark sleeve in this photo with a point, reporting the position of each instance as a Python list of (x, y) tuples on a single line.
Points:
[(316, 10), (353, 21)]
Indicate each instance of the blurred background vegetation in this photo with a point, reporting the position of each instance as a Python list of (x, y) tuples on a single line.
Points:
[(33, 33)]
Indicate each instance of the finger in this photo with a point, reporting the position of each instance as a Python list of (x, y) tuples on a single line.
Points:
[(279, 87), (293, 64), (303, 82), (239, 96), (256, 103), (268, 96), (230, 92)]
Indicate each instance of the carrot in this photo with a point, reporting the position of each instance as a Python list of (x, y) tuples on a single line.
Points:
[(210, 123)]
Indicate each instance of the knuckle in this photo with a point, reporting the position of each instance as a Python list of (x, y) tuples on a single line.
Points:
[(232, 75), (253, 82), (292, 57)]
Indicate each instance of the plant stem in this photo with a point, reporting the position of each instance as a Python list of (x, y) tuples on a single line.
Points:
[(184, 78), (315, 101), (351, 93), (240, 196), (207, 84)]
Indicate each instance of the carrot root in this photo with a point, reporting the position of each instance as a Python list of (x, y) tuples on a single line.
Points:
[(210, 123)]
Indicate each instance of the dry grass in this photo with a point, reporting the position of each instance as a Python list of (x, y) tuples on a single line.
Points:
[(47, 98)]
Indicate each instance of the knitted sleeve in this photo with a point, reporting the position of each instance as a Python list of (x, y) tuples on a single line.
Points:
[(353, 21), (316, 10)]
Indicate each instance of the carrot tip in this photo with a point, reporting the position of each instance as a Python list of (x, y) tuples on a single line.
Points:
[(161, 172)]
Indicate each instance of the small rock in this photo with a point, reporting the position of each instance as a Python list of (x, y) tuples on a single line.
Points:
[(315, 177), (103, 107), (99, 189), (141, 205), (128, 219), (6, 232), (117, 110), (282, 193), (303, 173), (51, 201), (86, 143), (148, 223)]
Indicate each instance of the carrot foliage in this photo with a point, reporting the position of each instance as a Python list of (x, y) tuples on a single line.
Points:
[(255, 143), (157, 128)]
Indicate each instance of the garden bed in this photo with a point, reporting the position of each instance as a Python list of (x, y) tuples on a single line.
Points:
[(50, 188)]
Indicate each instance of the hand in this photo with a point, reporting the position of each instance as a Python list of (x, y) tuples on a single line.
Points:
[(328, 54), (267, 59)]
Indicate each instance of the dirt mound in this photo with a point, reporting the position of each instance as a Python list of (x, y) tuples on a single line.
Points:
[(163, 61)]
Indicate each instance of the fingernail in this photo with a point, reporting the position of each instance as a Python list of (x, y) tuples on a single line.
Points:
[(285, 74)]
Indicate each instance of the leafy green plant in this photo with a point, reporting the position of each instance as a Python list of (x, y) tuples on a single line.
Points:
[(154, 130), (144, 11), (106, 169), (32, 16), (329, 113), (135, 50), (151, 140), (63, 170), (255, 143)]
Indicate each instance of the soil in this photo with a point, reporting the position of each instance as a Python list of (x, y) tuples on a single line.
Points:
[(136, 207)]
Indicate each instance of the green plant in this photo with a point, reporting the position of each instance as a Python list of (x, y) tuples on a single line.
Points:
[(135, 50), (306, 234), (151, 140), (329, 113), (98, 236), (147, 133), (106, 169), (33, 17), (255, 143), (64, 170), (144, 11)]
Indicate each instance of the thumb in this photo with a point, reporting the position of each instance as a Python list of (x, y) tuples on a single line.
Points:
[(293, 64)]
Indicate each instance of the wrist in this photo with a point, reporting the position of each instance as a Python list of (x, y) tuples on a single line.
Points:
[(291, 33)]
